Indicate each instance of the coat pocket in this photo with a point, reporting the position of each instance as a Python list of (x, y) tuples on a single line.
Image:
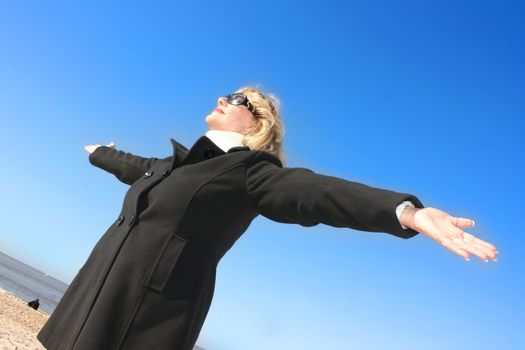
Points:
[(166, 263)]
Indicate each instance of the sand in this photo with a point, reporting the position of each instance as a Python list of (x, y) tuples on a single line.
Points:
[(19, 323)]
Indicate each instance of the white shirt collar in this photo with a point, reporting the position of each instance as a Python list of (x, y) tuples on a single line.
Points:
[(225, 139)]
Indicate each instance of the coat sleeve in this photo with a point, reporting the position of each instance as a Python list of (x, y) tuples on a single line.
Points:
[(127, 167), (302, 196)]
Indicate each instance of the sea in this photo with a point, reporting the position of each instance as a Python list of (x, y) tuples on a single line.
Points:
[(28, 283)]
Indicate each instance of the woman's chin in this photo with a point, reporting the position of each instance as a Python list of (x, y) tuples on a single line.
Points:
[(212, 124), (210, 120)]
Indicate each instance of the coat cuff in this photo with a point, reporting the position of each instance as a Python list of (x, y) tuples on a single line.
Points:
[(98, 155), (401, 207), (412, 201)]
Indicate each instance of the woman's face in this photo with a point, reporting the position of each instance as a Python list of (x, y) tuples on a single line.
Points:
[(230, 118)]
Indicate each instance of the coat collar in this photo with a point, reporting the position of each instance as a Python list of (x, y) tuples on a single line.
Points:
[(202, 149)]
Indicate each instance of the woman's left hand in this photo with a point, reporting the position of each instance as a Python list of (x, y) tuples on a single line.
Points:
[(448, 231)]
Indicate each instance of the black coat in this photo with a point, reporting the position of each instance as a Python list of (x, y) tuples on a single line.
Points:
[(149, 281)]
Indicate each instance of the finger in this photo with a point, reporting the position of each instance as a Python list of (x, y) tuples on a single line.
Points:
[(471, 248), (480, 242), (454, 249), (461, 222), (474, 242)]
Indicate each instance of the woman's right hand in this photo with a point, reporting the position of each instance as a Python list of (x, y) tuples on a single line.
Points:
[(90, 148)]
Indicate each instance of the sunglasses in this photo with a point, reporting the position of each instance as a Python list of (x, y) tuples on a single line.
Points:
[(238, 98)]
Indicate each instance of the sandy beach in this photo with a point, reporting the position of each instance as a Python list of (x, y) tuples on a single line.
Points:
[(19, 323)]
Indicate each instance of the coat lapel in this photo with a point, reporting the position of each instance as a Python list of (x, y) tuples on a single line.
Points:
[(202, 149)]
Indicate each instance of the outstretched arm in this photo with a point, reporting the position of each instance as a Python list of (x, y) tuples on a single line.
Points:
[(127, 167), (299, 195)]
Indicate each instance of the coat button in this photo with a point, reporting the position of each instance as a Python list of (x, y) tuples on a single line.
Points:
[(148, 174), (209, 153), (166, 172), (131, 220), (119, 220)]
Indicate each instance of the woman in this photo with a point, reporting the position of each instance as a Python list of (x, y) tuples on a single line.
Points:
[(149, 281)]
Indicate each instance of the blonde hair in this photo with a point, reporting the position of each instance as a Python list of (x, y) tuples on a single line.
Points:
[(267, 133)]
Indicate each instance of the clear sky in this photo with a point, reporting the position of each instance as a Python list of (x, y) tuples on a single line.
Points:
[(424, 97)]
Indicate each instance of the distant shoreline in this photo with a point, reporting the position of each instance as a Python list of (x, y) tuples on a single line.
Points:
[(20, 323), (3, 291), (28, 283)]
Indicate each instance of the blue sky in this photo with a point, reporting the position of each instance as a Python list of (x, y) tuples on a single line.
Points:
[(424, 97)]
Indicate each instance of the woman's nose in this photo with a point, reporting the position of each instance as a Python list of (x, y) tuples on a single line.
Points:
[(221, 101)]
